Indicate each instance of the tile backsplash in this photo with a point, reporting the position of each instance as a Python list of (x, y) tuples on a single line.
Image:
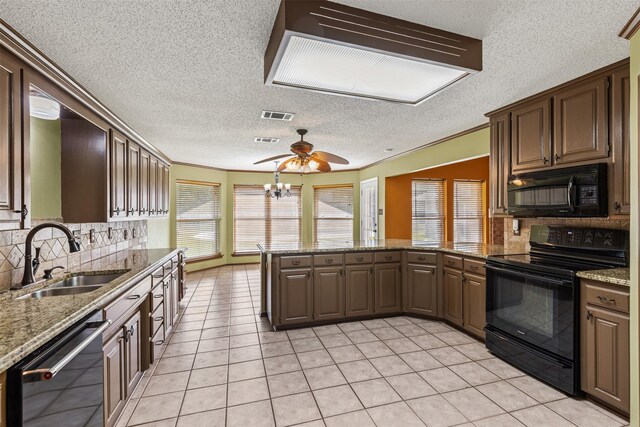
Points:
[(55, 248), (512, 241)]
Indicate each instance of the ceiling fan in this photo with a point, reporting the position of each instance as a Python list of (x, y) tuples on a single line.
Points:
[(305, 159)]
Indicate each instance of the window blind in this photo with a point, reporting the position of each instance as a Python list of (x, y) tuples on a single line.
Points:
[(468, 207), (198, 218), (333, 213), (428, 213), (259, 219)]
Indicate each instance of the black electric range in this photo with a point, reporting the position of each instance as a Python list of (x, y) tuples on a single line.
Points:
[(532, 299)]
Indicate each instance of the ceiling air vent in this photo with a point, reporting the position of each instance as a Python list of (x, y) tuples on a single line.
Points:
[(276, 115), (266, 140), (328, 47)]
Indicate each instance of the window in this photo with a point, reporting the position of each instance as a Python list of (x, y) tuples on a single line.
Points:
[(262, 220), (428, 219), (333, 213), (468, 211), (198, 218)]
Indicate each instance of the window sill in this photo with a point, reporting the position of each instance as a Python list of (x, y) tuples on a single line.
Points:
[(256, 253), (204, 258)]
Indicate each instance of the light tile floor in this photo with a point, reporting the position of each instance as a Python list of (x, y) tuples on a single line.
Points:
[(225, 366)]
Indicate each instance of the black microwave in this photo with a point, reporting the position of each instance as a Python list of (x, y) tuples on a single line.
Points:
[(579, 191)]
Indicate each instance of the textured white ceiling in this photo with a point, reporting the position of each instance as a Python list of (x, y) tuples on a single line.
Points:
[(187, 75)]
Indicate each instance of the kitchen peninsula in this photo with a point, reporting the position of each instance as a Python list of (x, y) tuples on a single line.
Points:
[(328, 282)]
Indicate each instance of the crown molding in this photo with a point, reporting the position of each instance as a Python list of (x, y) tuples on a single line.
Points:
[(631, 27)]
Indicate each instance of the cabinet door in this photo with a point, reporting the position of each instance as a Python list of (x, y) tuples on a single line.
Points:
[(328, 293), (153, 185), (133, 352), (580, 122), (620, 203), (163, 194), (388, 288), (452, 296), (144, 182), (296, 296), (359, 290), (175, 297), (500, 163), (133, 179), (168, 309), (118, 170), (114, 386), (11, 202), (474, 299), (530, 136), (607, 336), (422, 290)]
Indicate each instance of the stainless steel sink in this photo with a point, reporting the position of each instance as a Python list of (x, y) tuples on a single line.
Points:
[(83, 281), (52, 292), (74, 285)]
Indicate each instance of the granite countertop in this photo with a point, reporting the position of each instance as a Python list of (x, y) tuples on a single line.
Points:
[(468, 249), (616, 276), (27, 324)]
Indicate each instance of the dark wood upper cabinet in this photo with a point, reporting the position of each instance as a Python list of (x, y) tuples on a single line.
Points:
[(11, 198), (531, 135), (452, 296), (620, 115), (118, 170), (388, 286), (500, 162), (359, 289), (580, 122), (421, 290), (153, 185), (328, 293), (164, 190), (133, 179), (145, 169)]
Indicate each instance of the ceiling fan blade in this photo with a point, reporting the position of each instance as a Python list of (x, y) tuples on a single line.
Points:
[(328, 157), (323, 166), (270, 159), (284, 164)]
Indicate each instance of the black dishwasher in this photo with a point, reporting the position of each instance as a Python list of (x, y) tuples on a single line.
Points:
[(61, 383)]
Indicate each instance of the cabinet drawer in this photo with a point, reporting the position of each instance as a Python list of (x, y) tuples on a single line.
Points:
[(132, 298), (157, 275), (157, 296), (452, 261), (167, 267), (295, 261), (157, 317), (330, 259), (158, 338), (422, 258), (359, 258), (474, 266), (602, 296), (387, 257)]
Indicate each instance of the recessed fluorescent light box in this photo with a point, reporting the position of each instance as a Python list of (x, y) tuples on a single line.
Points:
[(328, 47)]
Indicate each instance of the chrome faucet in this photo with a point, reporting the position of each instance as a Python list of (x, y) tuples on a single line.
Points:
[(31, 265)]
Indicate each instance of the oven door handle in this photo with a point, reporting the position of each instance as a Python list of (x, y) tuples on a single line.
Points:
[(528, 276), (45, 374)]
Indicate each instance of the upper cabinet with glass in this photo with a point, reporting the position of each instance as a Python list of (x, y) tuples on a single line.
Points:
[(60, 161)]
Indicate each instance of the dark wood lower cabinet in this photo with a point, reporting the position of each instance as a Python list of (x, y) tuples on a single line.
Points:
[(115, 392), (452, 296), (296, 296), (359, 290), (328, 293), (388, 285), (421, 290), (474, 296), (133, 352)]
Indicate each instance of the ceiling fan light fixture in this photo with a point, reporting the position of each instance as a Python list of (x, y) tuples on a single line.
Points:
[(313, 165), (332, 48)]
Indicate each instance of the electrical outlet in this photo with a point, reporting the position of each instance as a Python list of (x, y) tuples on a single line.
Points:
[(110, 233), (126, 233), (92, 236), (133, 233)]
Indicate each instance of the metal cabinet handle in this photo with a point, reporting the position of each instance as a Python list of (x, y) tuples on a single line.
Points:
[(388, 257), (606, 300), (132, 297), (359, 259), (44, 374), (545, 160), (130, 211), (421, 258), (158, 319), (371, 270), (295, 262), (558, 157), (328, 260), (473, 267), (158, 342), (617, 206), (308, 274), (158, 296), (589, 315)]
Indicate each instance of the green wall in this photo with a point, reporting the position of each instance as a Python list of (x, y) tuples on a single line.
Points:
[(46, 169), (635, 238)]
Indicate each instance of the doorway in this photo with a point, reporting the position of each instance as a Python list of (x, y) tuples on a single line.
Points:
[(369, 209)]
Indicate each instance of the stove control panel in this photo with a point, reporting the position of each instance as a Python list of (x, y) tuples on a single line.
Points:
[(578, 237)]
